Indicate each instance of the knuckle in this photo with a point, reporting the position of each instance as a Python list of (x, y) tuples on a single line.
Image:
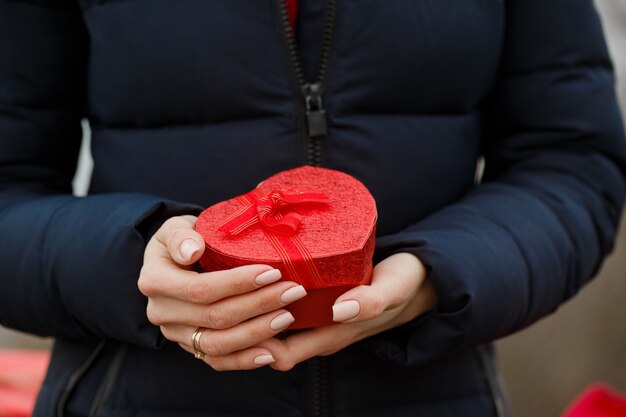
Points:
[(155, 315), (146, 282), (165, 331), (213, 346), (267, 303), (244, 362), (216, 318), (377, 304), (163, 231), (175, 236), (259, 332), (197, 292), (240, 284)]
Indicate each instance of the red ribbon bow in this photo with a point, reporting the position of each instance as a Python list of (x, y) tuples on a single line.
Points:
[(274, 212)]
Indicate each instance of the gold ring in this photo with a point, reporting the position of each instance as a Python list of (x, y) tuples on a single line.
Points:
[(195, 342)]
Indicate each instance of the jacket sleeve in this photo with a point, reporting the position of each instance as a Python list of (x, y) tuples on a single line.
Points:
[(536, 229), (68, 265)]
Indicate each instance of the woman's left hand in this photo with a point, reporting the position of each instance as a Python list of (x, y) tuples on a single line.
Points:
[(398, 293)]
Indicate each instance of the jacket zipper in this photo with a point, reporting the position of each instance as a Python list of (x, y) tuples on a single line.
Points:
[(75, 378), (319, 383), (493, 382), (312, 92), (315, 133), (107, 384)]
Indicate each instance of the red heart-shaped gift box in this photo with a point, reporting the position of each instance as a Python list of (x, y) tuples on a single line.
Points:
[(316, 225)]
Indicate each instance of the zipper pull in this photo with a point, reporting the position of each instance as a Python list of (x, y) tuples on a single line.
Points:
[(315, 112)]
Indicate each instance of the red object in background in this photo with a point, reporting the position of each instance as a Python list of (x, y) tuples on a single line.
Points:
[(598, 400), (328, 254), (21, 375)]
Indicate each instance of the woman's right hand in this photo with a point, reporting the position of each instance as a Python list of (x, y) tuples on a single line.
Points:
[(239, 307)]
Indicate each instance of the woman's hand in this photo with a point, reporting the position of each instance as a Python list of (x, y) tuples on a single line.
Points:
[(240, 307), (399, 292)]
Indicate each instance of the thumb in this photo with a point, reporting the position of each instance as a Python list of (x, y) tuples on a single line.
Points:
[(395, 281), (184, 244), (358, 304)]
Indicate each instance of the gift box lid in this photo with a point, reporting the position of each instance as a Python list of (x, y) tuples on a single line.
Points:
[(341, 225)]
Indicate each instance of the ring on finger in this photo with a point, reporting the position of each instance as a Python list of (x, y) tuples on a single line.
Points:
[(195, 342)]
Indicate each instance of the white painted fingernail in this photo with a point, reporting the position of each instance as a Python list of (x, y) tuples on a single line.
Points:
[(188, 248), (282, 321), (264, 360), (346, 310), (292, 294), (268, 277)]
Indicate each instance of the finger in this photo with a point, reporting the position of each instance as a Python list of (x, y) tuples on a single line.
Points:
[(161, 277), (157, 252), (183, 243), (301, 346), (167, 280), (239, 361), (224, 342), (322, 341), (395, 281), (157, 248), (225, 313)]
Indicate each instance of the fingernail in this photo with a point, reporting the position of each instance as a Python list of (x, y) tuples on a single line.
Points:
[(346, 310), (264, 360), (281, 321), (188, 248), (292, 294), (267, 277)]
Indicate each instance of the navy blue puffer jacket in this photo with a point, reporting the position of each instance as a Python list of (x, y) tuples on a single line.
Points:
[(192, 102)]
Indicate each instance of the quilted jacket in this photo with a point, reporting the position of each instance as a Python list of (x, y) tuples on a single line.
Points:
[(191, 102)]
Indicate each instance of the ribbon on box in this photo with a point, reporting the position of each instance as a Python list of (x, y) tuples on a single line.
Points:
[(280, 224)]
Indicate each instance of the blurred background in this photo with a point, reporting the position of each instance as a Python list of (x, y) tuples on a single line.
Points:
[(545, 366)]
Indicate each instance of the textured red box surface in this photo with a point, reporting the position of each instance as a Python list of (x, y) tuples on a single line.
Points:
[(329, 253)]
